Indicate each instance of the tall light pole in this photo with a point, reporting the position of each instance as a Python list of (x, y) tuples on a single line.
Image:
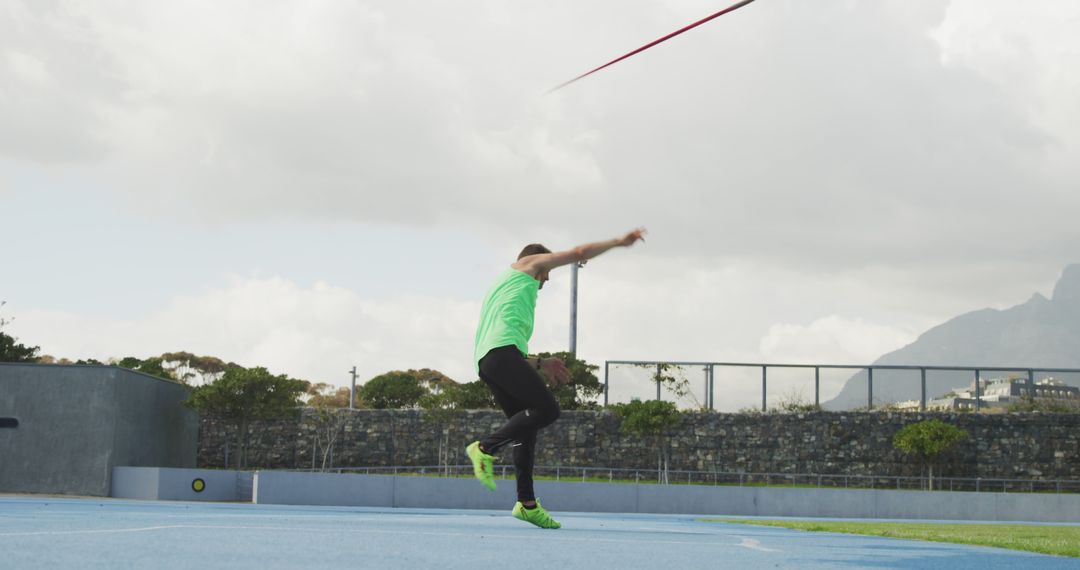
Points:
[(573, 306), (352, 388)]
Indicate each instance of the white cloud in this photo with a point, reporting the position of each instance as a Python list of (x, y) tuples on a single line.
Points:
[(323, 109), (27, 67), (832, 340), (631, 307), (865, 149), (316, 333), (889, 164)]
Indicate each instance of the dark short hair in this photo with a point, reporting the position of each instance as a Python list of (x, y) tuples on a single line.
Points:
[(533, 249)]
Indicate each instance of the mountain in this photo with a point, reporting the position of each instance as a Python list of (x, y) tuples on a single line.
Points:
[(1041, 332)]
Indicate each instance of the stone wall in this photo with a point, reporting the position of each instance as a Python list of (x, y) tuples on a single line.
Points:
[(1000, 445)]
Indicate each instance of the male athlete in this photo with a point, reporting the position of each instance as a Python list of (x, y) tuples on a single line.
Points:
[(517, 379)]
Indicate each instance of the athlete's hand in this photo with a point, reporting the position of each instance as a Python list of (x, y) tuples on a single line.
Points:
[(555, 371), (630, 238)]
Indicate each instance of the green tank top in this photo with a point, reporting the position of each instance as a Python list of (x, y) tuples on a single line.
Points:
[(506, 317)]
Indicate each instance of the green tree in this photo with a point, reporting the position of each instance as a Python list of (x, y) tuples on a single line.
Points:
[(50, 359), (927, 441), (326, 402), (440, 409), (328, 425), (673, 379), (10, 349), (1051, 405), (434, 380), (584, 387), (393, 390), (323, 395), (151, 366), (793, 402), (242, 395), (651, 419), (187, 367), (473, 395)]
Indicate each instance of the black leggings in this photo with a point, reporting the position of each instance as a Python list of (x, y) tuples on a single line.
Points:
[(526, 401)]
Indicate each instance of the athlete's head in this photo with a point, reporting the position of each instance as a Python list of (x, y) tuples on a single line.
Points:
[(533, 249)]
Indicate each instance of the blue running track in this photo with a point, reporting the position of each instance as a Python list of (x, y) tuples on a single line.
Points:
[(90, 534)]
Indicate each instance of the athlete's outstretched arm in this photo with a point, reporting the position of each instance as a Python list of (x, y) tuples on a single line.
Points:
[(535, 264)]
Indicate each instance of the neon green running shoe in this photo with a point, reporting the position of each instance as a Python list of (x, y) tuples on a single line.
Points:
[(537, 516), (483, 465)]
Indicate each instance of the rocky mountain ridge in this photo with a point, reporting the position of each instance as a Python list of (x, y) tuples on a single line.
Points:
[(1038, 333)]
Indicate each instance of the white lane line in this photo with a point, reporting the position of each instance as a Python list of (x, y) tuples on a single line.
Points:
[(469, 535), (755, 545), (673, 531), (90, 531)]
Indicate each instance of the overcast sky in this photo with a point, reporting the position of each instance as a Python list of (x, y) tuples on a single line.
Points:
[(314, 185)]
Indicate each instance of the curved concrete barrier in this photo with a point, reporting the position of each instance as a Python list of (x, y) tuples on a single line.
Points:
[(300, 488)]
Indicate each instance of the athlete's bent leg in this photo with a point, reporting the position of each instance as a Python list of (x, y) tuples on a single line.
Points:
[(528, 405), (519, 385), (524, 457)]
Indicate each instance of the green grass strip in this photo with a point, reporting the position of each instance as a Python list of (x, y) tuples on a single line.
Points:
[(1057, 540)]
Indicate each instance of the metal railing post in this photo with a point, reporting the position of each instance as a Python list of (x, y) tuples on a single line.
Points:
[(978, 395), (922, 396), (607, 381), (706, 370), (352, 389), (712, 387), (869, 387), (764, 380), (923, 399), (658, 381), (817, 386)]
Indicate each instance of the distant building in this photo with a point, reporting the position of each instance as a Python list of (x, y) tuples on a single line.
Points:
[(1004, 392)]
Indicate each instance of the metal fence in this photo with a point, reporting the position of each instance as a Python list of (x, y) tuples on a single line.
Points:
[(706, 396), (738, 479)]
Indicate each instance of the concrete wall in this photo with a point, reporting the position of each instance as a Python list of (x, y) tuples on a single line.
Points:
[(156, 483), (297, 488), (77, 422), (327, 489), (153, 427)]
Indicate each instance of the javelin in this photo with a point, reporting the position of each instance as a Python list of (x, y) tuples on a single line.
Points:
[(731, 8)]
